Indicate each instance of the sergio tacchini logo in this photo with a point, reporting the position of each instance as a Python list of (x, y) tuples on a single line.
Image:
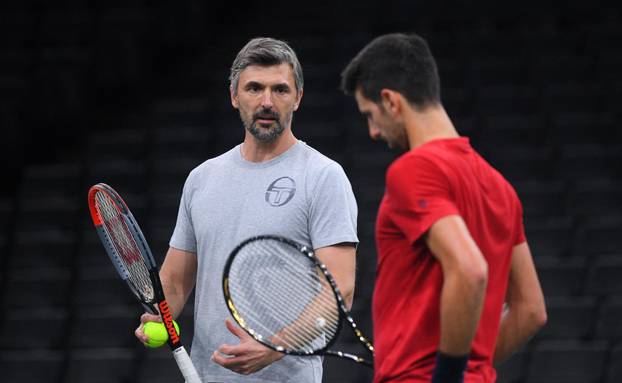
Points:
[(280, 191)]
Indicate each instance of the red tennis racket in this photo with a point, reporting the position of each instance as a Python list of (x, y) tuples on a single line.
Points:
[(128, 250)]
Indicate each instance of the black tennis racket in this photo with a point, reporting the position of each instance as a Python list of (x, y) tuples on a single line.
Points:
[(127, 248), (280, 293)]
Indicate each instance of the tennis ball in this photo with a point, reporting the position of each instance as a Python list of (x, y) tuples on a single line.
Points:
[(157, 333)]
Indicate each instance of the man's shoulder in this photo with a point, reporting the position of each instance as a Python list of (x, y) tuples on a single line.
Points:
[(316, 160), (413, 161), (208, 166), (220, 160)]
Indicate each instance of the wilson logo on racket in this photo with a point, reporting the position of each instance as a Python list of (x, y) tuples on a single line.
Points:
[(281, 191), (168, 321)]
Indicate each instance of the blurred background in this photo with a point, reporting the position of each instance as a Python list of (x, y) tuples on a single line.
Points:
[(135, 94)]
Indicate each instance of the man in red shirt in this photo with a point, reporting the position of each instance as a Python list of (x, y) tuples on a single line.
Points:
[(456, 288)]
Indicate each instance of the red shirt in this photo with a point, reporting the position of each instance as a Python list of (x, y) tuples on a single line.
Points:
[(440, 178)]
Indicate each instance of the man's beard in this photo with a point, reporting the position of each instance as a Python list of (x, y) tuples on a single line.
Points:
[(265, 134)]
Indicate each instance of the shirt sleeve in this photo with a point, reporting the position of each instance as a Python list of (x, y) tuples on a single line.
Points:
[(183, 237), (333, 211), (418, 195)]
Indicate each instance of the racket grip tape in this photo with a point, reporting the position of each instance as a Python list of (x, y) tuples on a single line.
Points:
[(185, 365)]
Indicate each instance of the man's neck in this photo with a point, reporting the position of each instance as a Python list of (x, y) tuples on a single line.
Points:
[(433, 123), (257, 151)]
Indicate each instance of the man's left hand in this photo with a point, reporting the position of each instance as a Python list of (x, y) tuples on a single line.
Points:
[(247, 357)]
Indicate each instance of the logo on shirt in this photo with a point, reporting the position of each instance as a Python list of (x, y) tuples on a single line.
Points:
[(281, 191)]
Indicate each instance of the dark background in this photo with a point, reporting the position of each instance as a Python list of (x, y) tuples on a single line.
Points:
[(135, 94)]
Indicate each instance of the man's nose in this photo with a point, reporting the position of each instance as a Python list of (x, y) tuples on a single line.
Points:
[(374, 132), (266, 99)]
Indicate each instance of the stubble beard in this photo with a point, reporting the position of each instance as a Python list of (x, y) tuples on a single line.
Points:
[(265, 134), (397, 139), (261, 132)]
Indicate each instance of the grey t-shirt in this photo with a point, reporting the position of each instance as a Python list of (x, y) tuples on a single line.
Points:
[(301, 194)]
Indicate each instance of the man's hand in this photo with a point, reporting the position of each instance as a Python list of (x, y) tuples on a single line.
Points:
[(247, 357), (146, 317)]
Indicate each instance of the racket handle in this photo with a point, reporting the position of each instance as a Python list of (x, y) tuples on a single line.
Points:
[(185, 365)]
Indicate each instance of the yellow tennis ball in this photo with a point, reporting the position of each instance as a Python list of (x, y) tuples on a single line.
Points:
[(157, 333)]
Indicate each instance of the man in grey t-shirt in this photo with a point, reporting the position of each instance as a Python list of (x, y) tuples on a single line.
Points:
[(272, 183)]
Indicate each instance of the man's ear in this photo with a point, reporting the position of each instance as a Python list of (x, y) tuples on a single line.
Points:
[(234, 97), (391, 101), (298, 99)]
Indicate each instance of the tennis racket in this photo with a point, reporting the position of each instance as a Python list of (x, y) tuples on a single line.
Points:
[(280, 293), (127, 248)]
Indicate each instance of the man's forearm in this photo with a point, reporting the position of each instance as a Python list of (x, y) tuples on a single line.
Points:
[(462, 300), (176, 296), (526, 310), (517, 326), (305, 328), (178, 275)]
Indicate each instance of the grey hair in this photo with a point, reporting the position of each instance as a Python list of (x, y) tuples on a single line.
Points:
[(265, 51)]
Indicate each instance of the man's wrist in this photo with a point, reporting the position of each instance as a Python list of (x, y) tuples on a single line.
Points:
[(449, 369)]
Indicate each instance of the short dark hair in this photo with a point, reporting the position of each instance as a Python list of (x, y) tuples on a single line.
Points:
[(400, 62)]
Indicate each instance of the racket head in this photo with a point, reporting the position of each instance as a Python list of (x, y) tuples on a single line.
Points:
[(125, 243), (282, 295)]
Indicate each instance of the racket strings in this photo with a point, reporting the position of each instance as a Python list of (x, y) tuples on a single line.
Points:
[(282, 296), (316, 323), (295, 334), (126, 249), (288, 336), (312, 325)]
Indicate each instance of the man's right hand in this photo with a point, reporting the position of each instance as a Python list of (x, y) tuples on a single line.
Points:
[(146, 317)]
